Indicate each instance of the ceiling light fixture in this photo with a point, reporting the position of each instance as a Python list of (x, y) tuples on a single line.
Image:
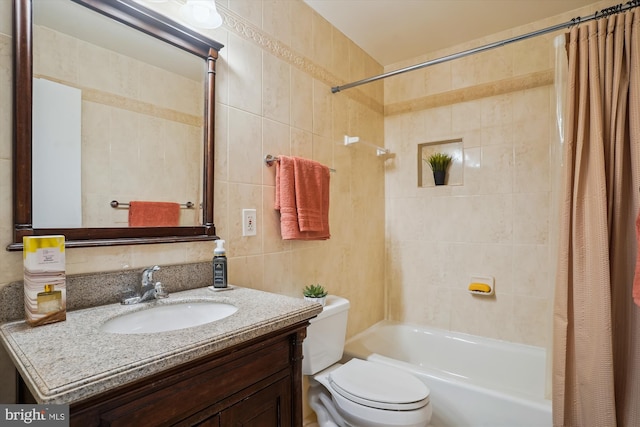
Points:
[(201, 14)]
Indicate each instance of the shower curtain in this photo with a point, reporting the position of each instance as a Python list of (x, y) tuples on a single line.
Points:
[(596, 343)]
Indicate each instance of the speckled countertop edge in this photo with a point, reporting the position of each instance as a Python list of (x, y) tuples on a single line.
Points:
[(72, 360)]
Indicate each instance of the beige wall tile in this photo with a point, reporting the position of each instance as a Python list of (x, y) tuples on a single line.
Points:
[(248, 271), (301, 100), (301, 143), (221, 149), (356, 62), (531, 166), (277, 272), (245, 147), (270, 224), (251, 10), (532, 55), (466, 116), (531, 223), (322, 103), (526, 309), (301, 22), (276, 140), (496, 175), (498, 222), (6, 9), (221, 208), (322, 39), (438, 79), (340, 55), (244, 66), (276, 89), (6, 198), (6, 96), (47, 61), (276, 19)]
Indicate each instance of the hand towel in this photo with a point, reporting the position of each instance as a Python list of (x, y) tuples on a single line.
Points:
[(302, 197), (154, 214), (312, 194), (636, 279), (286, 197)]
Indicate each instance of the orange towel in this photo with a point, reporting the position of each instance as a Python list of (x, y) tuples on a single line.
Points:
[(154, 214), (302, 197), (636, 279)]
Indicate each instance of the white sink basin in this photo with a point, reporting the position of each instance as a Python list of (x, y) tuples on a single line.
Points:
[(169, 317)]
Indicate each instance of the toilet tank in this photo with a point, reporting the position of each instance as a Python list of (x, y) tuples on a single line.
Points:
[(324, 343)]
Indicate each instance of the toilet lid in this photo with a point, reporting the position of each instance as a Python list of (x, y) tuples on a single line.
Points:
[(379, 386)]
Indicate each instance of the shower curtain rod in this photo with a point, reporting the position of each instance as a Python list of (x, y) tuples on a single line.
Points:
[(622, 7)]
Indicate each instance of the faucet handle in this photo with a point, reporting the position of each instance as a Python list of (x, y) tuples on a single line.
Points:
[(147, 274), (160, 292)]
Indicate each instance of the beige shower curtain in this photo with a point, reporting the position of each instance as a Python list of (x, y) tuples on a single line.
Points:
[(596, 360)]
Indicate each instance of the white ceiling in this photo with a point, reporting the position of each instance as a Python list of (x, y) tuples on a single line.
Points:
[(396, 30)]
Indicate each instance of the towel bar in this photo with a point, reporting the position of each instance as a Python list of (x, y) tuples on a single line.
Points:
[(115, 204), (269, 159)]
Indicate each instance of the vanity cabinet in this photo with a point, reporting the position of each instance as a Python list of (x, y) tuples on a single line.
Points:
[(256, 383)]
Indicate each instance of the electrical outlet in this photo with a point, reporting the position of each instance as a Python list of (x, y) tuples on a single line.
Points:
[(249, 226)]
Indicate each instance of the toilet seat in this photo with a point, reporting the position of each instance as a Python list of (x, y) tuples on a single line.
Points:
[(379, 386)]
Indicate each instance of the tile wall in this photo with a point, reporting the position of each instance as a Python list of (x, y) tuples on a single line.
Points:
[(500, 221), (273, 97)]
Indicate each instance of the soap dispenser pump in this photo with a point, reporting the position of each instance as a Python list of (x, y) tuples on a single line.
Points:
[(219, 265)]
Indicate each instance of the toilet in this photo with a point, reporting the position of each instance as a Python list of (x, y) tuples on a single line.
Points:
[(358, 393)]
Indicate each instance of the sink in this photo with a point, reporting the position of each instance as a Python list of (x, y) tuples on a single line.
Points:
[(169, 317)]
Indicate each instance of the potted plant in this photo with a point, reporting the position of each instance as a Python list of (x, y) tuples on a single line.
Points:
[(315, 293), (439, 163)]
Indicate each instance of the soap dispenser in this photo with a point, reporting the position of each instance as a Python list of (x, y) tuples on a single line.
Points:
[(219, 265)]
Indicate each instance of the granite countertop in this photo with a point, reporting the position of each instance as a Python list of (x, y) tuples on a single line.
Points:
[(72, 360)]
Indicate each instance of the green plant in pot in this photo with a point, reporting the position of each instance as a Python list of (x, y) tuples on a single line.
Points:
[(439, 163), (316, 293)]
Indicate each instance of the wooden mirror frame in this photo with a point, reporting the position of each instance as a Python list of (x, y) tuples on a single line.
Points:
[(149, 22)]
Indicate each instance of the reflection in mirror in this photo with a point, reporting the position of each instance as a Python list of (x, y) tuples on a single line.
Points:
[(135, 102), (131, 119)]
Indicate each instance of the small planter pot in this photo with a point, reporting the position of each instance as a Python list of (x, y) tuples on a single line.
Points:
[(438, 177), (322, 301)]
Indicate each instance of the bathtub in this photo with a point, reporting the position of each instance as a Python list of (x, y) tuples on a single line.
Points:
[(474, 381)]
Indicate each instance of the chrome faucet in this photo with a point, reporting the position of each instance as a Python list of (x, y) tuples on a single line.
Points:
[(148, 289)]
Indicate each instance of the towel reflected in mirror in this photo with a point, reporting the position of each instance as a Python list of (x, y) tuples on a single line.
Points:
[(154, 214)]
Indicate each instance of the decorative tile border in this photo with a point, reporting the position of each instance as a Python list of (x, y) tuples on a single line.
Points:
[(122, 102), (250, 32), (527, 81), (254, 34)]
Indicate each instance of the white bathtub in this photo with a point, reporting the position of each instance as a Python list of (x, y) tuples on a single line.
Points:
[(474, 381)]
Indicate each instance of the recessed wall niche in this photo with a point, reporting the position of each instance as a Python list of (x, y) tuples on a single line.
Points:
[(452, 147)]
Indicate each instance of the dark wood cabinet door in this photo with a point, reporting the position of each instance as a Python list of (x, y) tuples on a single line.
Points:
[(257, 383), (269, 407)]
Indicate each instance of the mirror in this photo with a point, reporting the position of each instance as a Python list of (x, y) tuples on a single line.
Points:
[(139, 134)]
